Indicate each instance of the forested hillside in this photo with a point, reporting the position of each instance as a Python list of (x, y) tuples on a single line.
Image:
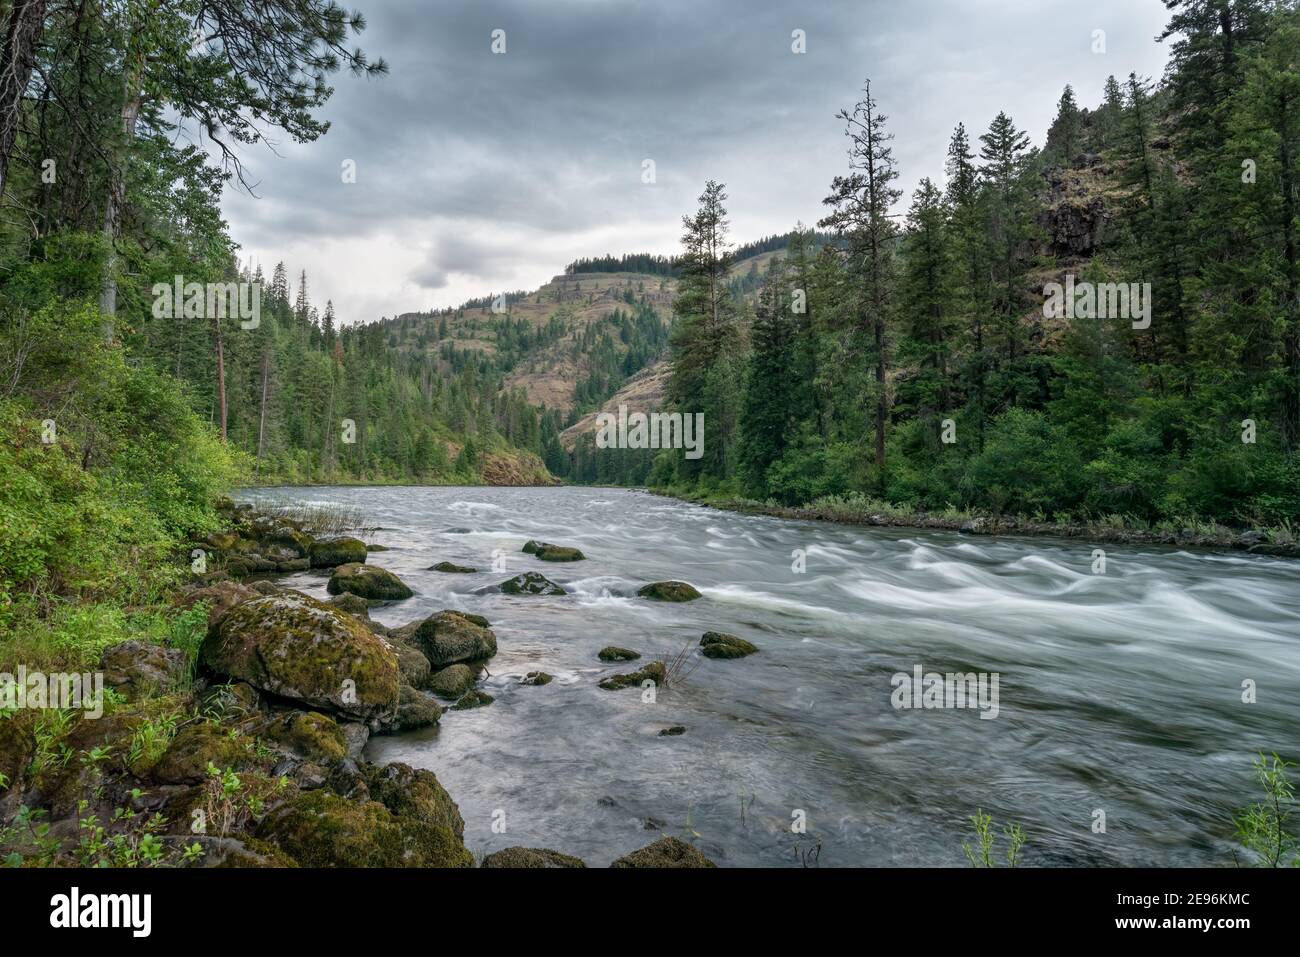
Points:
[(925, 370)]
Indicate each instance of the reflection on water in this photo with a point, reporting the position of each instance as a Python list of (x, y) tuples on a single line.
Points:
[(1119, 692)]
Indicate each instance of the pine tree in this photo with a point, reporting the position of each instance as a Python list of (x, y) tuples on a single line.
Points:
[(769, 415), (1065, 135), (861, 204)]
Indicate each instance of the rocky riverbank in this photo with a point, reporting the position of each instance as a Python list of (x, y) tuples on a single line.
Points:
[(250, 755), (1259, 541)]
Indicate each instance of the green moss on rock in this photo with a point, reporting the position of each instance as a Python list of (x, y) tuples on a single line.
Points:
[(717, 644), (473, 699), (531, 583), (414, 793), (328, 552), (451, 636), (530, 857), (614, 653), (654, 671), (368, 581), (669, 591), (321, 829), (296, 647), (452, 681), (452, 568), (667, 852)]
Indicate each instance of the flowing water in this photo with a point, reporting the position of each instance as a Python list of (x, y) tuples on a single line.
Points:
[(1118, 692)]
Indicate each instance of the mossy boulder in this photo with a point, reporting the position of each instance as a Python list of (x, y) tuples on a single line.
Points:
[(530, 857), (414, 665), (669, 591), (140, 668), (195, 746), (452, 568), (559, 553), (321, 829), (368, 581), (300, 648), (220, 597), (451, 636), (414, 793), (312, 736), (654, 671), (615, 653), (473, 699), (673, 731), (452, 681), (329, 552), (531, 583), (352, 604), (243, 852), (716, 644), (415, 709), (536, 678), (532, 546), (665, 852)]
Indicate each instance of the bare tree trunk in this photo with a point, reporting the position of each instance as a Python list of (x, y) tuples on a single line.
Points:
[(131, 99), (221, 376), (17, 56), (261, 424)]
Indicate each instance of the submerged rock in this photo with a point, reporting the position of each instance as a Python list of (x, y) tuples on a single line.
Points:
[(368, 581), (531, 583), (654, 671), (716, 644), (559, 553), (673, 731), (615, 653), (296, 647), (669, 591), (665, 852), (530, 857), (473, 699), (328, 552), (536, 678), (452, 568)]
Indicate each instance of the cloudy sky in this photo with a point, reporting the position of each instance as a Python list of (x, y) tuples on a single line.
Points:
[(478, 172)]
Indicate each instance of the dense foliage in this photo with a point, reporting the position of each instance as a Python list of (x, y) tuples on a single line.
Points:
[(922, 366)]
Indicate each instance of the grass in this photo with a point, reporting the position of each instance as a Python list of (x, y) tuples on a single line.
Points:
[(679, 666), (325, 519)]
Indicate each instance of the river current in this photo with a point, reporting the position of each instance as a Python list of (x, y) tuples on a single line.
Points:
[(1121, 736)]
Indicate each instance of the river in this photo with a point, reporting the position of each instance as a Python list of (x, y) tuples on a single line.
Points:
[(1118, 693)]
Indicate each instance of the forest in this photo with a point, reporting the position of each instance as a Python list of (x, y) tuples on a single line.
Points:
[(918, 365)]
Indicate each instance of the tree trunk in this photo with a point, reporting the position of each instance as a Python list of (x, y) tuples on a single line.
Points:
[(131, 100), (221, 376), (261, 422), (17, 56)]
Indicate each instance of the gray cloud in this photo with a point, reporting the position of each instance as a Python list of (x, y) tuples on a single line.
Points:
[(478, 172)]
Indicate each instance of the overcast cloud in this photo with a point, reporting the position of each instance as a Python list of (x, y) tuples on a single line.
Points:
[(478, 172)]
